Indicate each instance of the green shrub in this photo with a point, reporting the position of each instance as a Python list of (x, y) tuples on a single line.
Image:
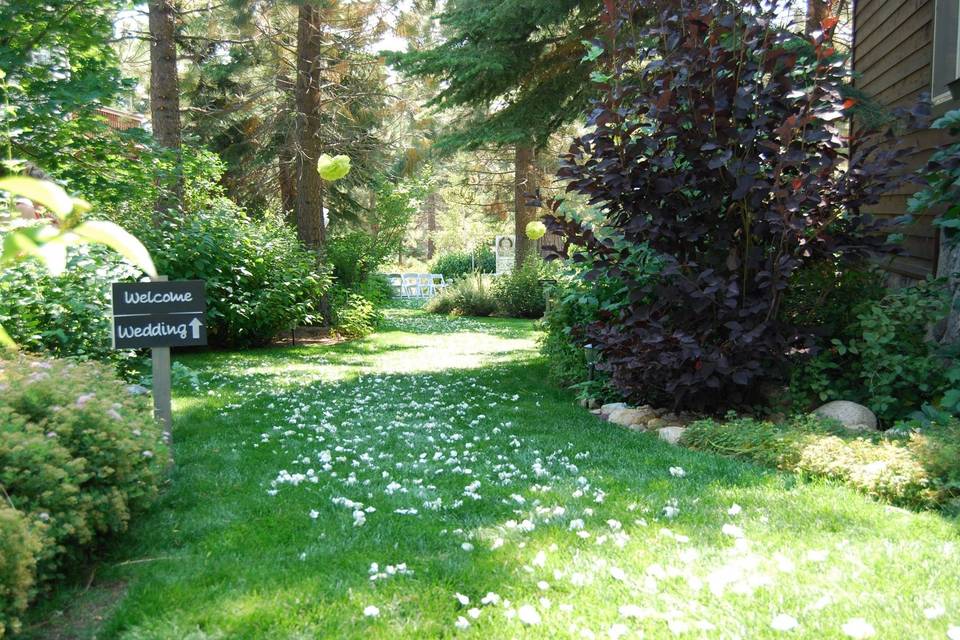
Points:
[(827, 296), (456, 265), (520, 293), (919, 470), (353, 315), (78, 452), (886, 362), (69, 314), (353, 256), (469, 296), (19, 544), (260, 281)]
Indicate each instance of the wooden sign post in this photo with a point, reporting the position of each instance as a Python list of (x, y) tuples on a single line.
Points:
[(159, 315)]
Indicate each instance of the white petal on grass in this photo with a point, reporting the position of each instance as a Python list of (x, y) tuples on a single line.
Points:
[(462, 599), (858, 628), (932, 613), (734, 510), (784, 622), (528, 615), (461, 623), (732, 530), (953, 633), (371, 611), (617, 631)]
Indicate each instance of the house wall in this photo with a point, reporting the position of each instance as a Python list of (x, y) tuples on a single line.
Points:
[(893, 56)]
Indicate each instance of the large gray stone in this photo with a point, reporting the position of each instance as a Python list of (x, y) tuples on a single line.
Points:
[(609, 408), (632, 417), (671, 435), (137, 390), (851, 415)]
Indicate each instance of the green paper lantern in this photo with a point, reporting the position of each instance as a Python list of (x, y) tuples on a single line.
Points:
[(333, 168)]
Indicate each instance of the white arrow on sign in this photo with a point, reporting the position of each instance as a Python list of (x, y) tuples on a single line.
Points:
[(195, 324)]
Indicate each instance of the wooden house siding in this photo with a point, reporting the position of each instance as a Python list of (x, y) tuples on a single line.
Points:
[(893, 58)]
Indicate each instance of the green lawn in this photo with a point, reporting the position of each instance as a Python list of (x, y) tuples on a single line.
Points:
[(439, 445)]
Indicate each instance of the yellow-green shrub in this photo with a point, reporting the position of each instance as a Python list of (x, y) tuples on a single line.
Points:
[(19, 545), (920, 469), (78, 452)]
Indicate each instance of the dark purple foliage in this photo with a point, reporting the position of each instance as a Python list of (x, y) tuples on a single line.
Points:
[(717, 144)]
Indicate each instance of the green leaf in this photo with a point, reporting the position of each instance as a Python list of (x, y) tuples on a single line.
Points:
[(118, 239), (6, 340), (50, 195)]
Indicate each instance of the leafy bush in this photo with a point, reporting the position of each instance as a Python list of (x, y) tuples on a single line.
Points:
[(456, 265), (886, 361), (260, 281), (520, 293), (469, 296), (69, 314), (826, 297), (715, 143), (78, 453), (354, 316), (353, 256), (898, 469), (19, 546)]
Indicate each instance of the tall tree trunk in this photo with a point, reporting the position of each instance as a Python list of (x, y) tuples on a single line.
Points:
[(817, 10), (287, 177), (430, 204), (165, 100), (523, 186), (309, 185)]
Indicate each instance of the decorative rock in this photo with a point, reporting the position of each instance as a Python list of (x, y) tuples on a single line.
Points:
[(656, 423), (671, 435), (631, 417), (853, 416), (607, 409), (137, 390)]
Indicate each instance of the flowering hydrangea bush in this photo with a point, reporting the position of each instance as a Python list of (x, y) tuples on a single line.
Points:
[(78, 452)]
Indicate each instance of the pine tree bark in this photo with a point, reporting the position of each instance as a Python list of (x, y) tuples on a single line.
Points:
[(309, 185), (430, 205), (524, 186), (165, 101)]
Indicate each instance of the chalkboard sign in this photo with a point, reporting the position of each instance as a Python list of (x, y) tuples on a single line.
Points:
[(159, 314)]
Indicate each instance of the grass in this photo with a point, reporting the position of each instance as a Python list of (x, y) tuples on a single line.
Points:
[(412, 418)]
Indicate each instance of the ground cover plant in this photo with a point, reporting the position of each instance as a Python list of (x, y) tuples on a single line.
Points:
[(916, 468), (428, 482), (715, 143)]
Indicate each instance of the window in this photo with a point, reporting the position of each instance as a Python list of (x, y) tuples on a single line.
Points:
[(946, 53)]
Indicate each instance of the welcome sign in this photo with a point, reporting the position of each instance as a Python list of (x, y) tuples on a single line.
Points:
[(159, 314)]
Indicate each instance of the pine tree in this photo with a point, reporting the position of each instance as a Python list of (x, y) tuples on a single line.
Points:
[(519, 67)]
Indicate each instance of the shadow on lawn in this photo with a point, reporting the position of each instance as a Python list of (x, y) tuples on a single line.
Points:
[(220, 558), (227, 555)]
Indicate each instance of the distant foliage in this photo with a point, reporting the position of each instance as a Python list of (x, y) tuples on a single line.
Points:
[(520, 293), (716, 144), (78, 455), (469, 296), (260, 281), (66, 315), (884, 358), (457, 265)]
